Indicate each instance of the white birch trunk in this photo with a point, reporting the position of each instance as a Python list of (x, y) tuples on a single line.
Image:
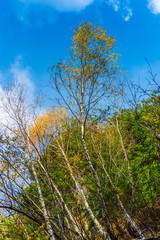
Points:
[(47, 221), (128, 164), (81, 194)]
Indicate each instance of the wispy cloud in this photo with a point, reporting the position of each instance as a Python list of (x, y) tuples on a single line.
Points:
[(39, 12), (47, 10), (154, 6), (21, 78), (114, 3), (62, 5), (123, 6), (22, 75), (127, 13)]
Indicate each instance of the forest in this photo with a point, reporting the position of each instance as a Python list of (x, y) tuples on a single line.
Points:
[(89, 167)]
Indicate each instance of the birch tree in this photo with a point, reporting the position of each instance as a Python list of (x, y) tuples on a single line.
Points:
[(84, 81)]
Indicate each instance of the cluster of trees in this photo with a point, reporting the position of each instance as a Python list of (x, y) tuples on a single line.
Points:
[(90, 168)]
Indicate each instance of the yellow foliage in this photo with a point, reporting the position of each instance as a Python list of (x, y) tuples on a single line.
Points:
[(48, 123), (46, 237)]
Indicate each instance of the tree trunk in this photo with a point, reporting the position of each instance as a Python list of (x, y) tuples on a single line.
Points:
[(47, 221)]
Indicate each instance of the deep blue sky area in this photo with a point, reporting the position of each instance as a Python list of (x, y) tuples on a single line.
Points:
[(34, 34)]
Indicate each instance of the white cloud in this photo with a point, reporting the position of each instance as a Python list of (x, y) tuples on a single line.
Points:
[(38, 12), (154, 6), (63, 5), (35, 7), (21, 86), (114, 3), (22, 75), (127, 13), (123, 6)]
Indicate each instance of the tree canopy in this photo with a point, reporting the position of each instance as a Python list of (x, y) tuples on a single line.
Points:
[(90, 168)]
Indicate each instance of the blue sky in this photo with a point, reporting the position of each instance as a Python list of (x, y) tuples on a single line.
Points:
[(35, 34)]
